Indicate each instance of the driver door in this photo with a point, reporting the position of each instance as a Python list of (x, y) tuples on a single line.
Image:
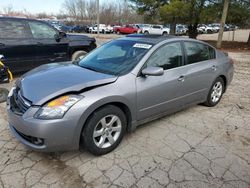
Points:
[(48, 50), (161, 94)]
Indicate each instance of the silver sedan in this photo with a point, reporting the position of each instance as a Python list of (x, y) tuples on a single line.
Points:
[(115, 88)]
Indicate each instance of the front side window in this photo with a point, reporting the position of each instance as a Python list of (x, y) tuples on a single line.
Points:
[(10, 29), (168, 56), (116, 57), (41, 30), (197, 52), (157, 27)]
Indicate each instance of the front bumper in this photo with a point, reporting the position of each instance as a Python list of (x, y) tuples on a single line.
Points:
[(44, 135)]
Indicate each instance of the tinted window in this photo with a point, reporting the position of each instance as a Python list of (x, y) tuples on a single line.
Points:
[(117, 57), (169, 56), (12, 29), (41, 30), (156, 27), (197, 52)]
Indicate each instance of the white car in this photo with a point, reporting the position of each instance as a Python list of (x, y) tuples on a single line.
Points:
[(102, 28), (206, 29), (155, 30)]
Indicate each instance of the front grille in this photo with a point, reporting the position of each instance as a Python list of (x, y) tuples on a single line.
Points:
[(18, 104)]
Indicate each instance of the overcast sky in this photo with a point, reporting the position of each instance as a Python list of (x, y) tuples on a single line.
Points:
[(36, 6)]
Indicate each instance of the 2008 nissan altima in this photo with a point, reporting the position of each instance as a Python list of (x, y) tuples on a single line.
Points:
[(115, 88)]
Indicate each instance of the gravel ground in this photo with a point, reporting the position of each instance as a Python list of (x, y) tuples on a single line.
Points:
[(197, 147)]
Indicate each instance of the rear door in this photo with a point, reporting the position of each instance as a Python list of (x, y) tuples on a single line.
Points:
[(48, 49), (199, 71), (17, 45)]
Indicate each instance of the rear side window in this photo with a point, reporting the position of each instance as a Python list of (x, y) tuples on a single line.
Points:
[(197, 52), (11, 29), (41, 30)]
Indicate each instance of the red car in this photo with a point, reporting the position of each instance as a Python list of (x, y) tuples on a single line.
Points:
[(127, 29)]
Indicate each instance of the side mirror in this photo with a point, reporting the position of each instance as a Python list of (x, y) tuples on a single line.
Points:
[(153, 71), (59, 36)]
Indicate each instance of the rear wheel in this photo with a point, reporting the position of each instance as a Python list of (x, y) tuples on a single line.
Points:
[(146, 32), (104, 130), (165, 33), (215, 93)]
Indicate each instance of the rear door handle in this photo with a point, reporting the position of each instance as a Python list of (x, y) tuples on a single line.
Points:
[(181, 78)]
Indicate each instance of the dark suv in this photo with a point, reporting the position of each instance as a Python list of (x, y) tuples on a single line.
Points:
[(28, 43)]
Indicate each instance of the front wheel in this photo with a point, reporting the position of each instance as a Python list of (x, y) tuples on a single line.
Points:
[(78, 55), (104, 130), (215, 93)]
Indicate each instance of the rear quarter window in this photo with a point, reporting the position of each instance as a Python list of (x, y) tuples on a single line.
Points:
[(197, 52), (11, 29)]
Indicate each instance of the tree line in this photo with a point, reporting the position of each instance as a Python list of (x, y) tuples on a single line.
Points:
[(192, 12), (111, 12)]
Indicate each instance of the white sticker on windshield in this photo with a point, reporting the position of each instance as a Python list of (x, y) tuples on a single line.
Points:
[(140, 45)]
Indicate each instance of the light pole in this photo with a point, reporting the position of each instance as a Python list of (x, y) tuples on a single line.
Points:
[(98, 17)]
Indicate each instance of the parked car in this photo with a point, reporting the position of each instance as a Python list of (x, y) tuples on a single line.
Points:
[(181, 29), (216, 27), (115, 88), (28, 43), (155, 30), (205, 29), (102, 28), (141, 26), (126, 29), (79, 29)]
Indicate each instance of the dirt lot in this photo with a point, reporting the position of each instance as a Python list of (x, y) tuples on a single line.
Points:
[(198, 147)]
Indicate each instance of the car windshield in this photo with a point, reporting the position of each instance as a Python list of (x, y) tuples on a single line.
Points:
[(117, 57)]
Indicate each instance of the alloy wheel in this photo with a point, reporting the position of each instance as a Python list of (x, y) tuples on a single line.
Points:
[(107, 131)]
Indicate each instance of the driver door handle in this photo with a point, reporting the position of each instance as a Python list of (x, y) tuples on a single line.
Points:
[(214, 68), (181, 78)]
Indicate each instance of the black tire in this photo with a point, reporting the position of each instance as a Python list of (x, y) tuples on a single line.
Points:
[(146, 32), (94, 121), (165, 33), (78, 55), (210, 102), (3, 94)]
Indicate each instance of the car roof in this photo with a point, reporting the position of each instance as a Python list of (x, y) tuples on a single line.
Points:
[(153, 39), (21, 19)]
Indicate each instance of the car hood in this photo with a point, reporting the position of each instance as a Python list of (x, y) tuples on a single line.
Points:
[(51, 80), (77, 37)]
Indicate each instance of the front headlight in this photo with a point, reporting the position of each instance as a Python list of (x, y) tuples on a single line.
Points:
[(56, 108)]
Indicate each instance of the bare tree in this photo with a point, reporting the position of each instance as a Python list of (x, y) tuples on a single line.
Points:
[(81, 9), (115, 12), (8, 9), (91, 11), (70, 7)]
